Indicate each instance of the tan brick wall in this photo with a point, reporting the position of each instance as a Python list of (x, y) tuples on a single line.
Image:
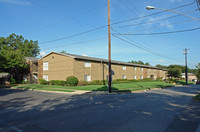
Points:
[(59, 67), (40, 69)]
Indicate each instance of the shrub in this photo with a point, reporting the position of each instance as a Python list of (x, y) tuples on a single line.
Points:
[(72, 81), (82, 83), (12, 80), (43, 82), (58, 82), (25, 82), (147, 79)]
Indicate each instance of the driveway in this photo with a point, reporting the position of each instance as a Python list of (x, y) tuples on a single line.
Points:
[(164, 110)]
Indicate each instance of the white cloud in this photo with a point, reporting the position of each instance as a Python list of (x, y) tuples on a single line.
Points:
[(42, 53), (16, 2)]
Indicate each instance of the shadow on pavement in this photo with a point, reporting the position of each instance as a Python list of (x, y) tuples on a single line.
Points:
[(159, 110)]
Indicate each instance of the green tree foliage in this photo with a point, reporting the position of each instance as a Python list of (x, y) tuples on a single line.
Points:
[(13, 50), (139, 62), (197, 72), (63, 51), (174, 72), (178, 66), (161, 66)]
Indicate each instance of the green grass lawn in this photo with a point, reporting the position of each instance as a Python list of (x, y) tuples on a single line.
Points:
[(122, 87)]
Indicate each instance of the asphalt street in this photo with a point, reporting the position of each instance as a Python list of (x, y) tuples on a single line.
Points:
[(163, 110)]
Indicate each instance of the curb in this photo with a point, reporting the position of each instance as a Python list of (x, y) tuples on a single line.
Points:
[(72, 93)]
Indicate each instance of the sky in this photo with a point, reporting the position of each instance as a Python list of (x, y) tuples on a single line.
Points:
[(80, 27)]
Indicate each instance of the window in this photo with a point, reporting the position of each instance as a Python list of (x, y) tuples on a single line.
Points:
[(135, 68), (148, 76), (149, 70), (45, 77), (141, 69), (141, 77), (123, 77), (87, 78), (87, 64), (45, 65), (134, 77), (124, 67)]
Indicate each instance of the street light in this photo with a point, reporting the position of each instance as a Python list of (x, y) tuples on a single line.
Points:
[(152, 8)]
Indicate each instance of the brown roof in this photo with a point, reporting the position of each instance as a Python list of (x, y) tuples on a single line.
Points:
[(79, 57)]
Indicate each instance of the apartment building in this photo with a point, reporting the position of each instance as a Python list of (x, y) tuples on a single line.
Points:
[(58, 66), (32, 77)]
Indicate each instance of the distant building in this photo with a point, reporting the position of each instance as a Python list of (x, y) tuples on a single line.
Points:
[(58, 66), (32, 77), (5, 78), (191, 77)]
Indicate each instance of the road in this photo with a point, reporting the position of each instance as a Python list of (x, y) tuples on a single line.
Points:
[(163, 110)]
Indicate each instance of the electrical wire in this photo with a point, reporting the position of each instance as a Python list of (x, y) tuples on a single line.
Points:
[(151, 14), (155, 20), (179, 31), (74, 35), (141, 47), (75, 43), (104, 25)]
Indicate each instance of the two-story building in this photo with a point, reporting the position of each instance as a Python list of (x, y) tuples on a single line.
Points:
[(58, 66)]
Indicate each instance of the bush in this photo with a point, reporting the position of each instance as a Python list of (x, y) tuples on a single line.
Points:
[(58, 82), (25, 82), (72, 81), (43, 82), (98, 82), (82, 83), (12, 80), (146, 79)]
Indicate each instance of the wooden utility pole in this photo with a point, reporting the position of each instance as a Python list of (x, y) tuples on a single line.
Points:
[(186, 70), (109, 49)]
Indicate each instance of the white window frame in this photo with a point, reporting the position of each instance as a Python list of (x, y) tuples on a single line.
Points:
[(45, 65), (123, 77), (141, 69), (135, 68), (141, 77), (45, 77), (149, 70), (87, 64), (87, 78), (124, 67), (134, 77)]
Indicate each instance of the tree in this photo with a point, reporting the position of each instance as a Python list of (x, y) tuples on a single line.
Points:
[(174, 72), (161, 66), (178, 66), (63, 51), (13, 51), (197, 72), (139, 62)]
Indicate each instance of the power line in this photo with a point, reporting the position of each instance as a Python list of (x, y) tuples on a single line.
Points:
[(74, 35), (155, 20), (81, 42), (198, 4), (142, 47), (151, 14), (104, 25), (179, 31), (88, 11), (160, 26)]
